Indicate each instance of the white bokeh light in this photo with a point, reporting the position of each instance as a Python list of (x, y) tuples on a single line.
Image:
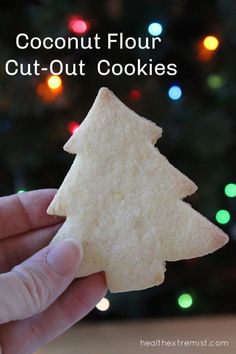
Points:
[(103, 305)]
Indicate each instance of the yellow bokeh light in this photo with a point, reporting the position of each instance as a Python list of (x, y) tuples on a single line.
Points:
[(103, 305), (211, 43), (54, 82)]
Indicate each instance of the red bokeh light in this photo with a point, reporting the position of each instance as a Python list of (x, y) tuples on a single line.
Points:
[(204, 54), (47, 95), (78, 25), (135, 95), (73, 126)]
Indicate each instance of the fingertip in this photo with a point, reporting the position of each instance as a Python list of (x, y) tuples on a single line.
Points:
[(101, 279), (78, 244), (98, 282), (58, 218), (65, 256)]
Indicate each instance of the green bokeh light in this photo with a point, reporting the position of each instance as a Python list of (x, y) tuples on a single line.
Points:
[(230, 190), (20, 191), (222, 216), (185, 301), (215, 81)]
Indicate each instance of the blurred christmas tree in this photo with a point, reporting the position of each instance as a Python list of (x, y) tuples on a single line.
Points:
[(196, 110)]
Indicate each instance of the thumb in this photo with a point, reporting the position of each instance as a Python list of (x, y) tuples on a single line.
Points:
[(34, 284)]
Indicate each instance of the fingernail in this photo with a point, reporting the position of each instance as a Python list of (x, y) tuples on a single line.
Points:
[(65, 256)]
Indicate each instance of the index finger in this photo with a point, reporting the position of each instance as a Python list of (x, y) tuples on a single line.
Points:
[(26, 211)]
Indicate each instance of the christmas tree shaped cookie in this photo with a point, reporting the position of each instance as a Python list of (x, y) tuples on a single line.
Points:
[(123, 200)]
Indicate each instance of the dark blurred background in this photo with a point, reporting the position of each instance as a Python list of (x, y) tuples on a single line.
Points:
[(195, 108)]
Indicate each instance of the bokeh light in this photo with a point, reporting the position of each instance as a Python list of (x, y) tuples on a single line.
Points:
[(103, 305), (49, 90), (215, 82), (155, 29), (203, 54), (21, 191), (230, 190), (222, 216), (185, 301), (135, 95), (211, 43), (46, 94), (54, 82), (175, 93), (78, 25), (73, 126)]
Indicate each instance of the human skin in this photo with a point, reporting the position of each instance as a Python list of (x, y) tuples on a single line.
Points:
[(39, 297)]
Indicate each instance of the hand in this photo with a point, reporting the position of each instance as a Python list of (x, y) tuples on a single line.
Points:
[(37, 301)]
